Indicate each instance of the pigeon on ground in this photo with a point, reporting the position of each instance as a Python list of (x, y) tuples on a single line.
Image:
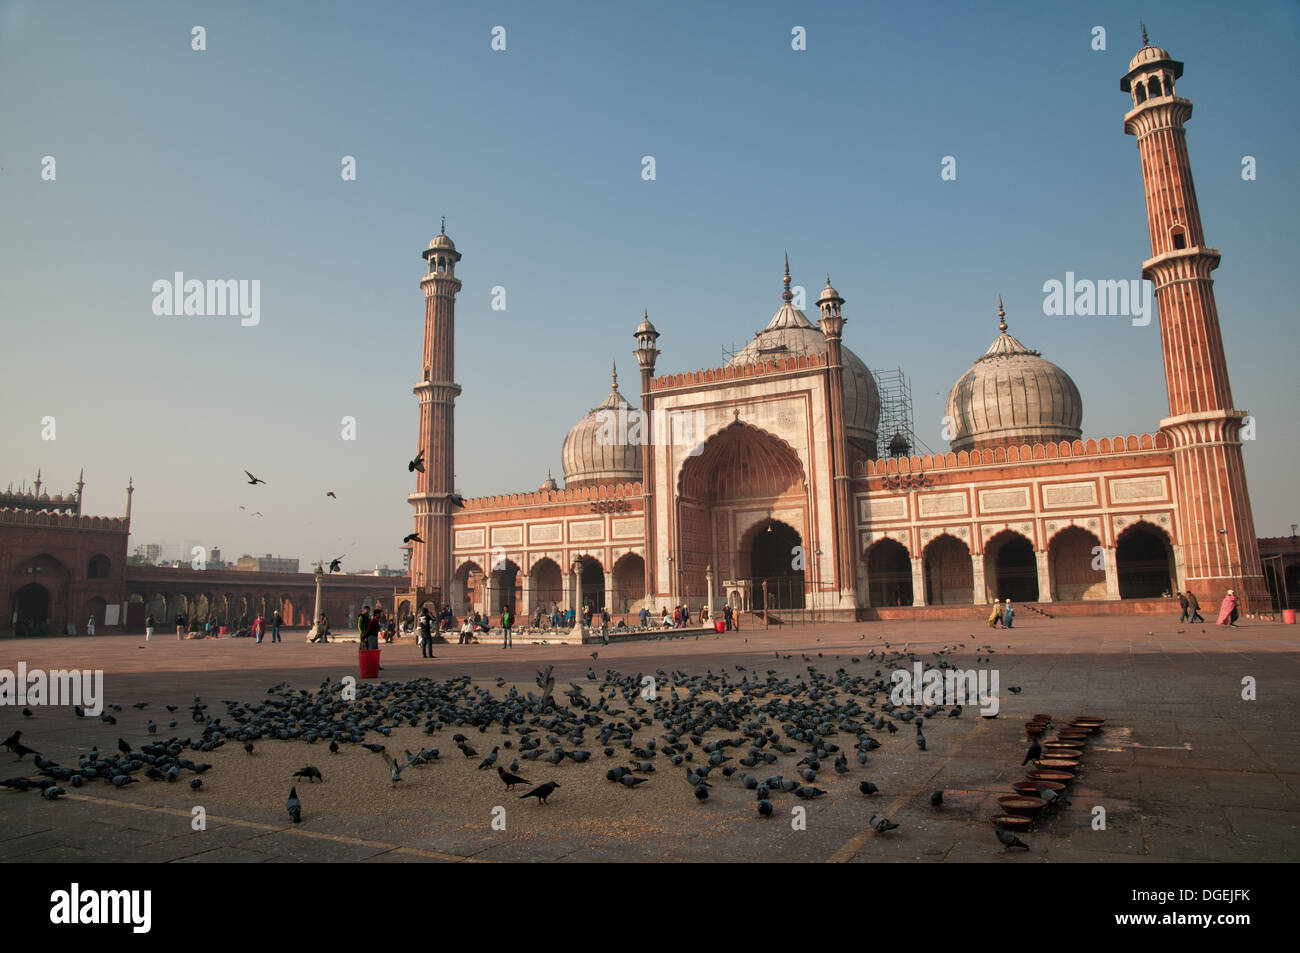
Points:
[(510, 779), (1009, 840), (294, 806), (309, 772), (882, 824), (1034, 753), (867, 788), (936, 799), (541, 792)]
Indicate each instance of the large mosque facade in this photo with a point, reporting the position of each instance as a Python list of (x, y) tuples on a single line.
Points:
[(764, 483)]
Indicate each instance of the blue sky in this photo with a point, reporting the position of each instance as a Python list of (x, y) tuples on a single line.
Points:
[(226, 164)]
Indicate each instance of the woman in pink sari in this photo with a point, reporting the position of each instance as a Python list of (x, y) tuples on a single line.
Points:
[(1228, 611)]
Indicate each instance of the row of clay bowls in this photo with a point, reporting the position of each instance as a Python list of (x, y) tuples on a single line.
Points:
[(1053, 771)]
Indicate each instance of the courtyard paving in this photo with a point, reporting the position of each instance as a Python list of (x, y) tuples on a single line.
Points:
[(1185, 769)]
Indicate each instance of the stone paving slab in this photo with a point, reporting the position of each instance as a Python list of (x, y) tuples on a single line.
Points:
[(1186, 769)]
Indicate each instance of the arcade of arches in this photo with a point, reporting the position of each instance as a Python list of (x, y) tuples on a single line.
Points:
[(1072, 569), (547, 585)]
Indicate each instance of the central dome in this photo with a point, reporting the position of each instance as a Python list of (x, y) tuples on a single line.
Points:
[(1013, 396), (597, 450), (790, 334)]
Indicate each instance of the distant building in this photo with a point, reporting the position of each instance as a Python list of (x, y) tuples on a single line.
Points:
[(60, 567), (267, 563)]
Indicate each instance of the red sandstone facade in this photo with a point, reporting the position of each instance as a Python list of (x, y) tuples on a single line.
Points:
[(770, 471)]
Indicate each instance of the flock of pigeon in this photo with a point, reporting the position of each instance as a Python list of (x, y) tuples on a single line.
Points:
[(727, 727)]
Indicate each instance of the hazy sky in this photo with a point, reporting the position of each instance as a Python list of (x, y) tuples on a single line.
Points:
[(226, 163)]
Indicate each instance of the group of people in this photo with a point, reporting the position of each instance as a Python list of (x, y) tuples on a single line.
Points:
[(1002, 615)]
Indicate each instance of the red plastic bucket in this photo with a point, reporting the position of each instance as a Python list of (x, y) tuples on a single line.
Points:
[(719, 625), (369, 661), (1288, 616)]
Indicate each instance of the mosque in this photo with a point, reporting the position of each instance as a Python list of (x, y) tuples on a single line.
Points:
[(769, 486)]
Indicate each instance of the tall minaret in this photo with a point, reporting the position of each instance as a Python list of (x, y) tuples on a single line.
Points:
[(832, 324), (1220, 550), (646, 354), (431, 566)]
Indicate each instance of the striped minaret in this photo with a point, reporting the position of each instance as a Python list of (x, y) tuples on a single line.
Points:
[(1220, 550), (431, 567)]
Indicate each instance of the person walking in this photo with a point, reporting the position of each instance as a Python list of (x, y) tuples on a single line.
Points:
[(507, 620), (180, 627), (604, 625), (643, 617), (1228, 610), (259, 628), (276, 621), (1008, 614), (1194, 607), (1183, 604), (726, 615), (148, 627), (995, 617), (90, 626), (322, 629), (426, 634)]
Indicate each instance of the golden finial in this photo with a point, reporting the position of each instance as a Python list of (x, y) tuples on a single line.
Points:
[(1145, 41), (786, 295), (615, 373), (1002, 316), (444, 225)]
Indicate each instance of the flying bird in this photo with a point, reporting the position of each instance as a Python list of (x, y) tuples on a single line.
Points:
[(252, 480), (412, 538), (330, 494), (417, 463), (336, 564)]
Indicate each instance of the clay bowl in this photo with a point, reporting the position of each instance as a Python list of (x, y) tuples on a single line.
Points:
[(1048, 774), (1012, 822), (1062, 751), (1031, 787), (1034, 728), (1057, 764), (1069, 736), (1062, 742), (1023, 805)]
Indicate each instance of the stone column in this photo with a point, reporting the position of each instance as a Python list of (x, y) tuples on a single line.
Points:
[(1044, 578), (979, 596), (485, 597), (525, 608), (918, 581), (1112, 574), (577, 602), (609, 594), (708, 592), (315, 616)]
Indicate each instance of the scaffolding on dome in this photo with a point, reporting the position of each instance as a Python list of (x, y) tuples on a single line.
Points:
[(896, 429)]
